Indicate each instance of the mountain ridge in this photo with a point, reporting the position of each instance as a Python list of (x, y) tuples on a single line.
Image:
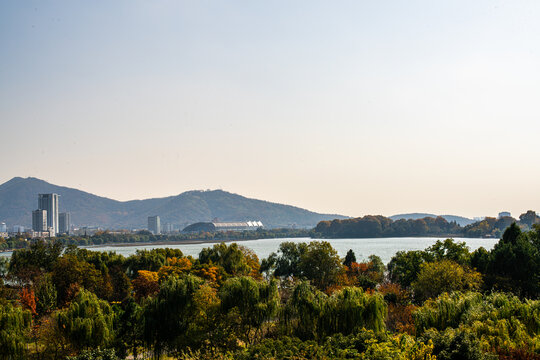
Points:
[(460, 220), (18, 197)]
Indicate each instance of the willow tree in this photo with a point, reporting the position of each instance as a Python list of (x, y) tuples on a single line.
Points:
[(351, 309), (311, 314), (252, 302), (304, 311), (169, 315), (497, 320), (15, 325), (87, 322)]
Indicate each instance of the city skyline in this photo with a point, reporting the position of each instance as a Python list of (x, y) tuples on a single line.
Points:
[(354, 108)]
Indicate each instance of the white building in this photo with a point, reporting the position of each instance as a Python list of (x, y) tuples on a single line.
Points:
[(49, 202)]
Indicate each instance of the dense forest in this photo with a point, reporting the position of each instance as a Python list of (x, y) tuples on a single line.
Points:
[(302, 302), (379, 226)]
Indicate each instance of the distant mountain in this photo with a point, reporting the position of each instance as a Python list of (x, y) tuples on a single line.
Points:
[(18, 197), (460, 220)]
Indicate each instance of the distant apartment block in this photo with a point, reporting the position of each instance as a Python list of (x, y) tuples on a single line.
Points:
[(39, 220), (49, 202), (18, 229), (167, 228), (504, 214), (3, 227), (154, 225), (64, 223)]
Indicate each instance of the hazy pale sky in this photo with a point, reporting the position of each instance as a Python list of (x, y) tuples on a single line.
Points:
[(350, 107)]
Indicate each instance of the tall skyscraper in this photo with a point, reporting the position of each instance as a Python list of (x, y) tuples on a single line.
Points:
[(3, 227), (39, 220), (49, 202), (64, 222), (154, 225)]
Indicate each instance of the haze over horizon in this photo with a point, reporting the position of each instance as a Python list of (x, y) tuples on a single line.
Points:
[(352, 108)]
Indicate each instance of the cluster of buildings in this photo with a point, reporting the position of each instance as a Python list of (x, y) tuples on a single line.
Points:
[(155, 227), (47, 221)]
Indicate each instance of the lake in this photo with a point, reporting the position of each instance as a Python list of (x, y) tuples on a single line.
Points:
[(385, 248)]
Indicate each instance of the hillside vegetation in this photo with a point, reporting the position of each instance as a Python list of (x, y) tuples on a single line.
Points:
[(18, 197)]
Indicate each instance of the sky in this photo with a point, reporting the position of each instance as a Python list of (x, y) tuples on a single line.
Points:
[(349, 107)]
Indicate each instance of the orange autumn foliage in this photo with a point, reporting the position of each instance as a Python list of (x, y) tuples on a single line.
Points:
[(175, 267), (145, 284), (28, 300), (208, 272)]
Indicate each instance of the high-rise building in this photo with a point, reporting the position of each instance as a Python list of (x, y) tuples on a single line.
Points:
[(64, 223), (154, 225), (3, 227), (39, 220), (49, 202)]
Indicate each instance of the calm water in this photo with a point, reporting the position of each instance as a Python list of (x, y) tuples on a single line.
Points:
[(383, 247)]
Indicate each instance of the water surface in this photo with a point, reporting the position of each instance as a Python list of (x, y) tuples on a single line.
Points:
[(383, 247)]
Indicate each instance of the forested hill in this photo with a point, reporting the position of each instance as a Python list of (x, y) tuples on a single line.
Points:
[(380, 226), (18, 197)]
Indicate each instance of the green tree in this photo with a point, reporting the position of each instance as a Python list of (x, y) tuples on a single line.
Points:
[(28, 264), (233, 258), (449, 250), (349, 258), (404, 267), (320, 264), (168, 316), (87, 322), (15, 326), (253, 303), (129, 322), (444, 276), (286, 262), (45, 294), (515, 263)]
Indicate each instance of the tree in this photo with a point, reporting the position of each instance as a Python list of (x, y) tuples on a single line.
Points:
[(515, 263), (27, 298), (349, 258), (129, 324), (529, 218), (444, 276), (252, 302), (46, 295), (168, 316), (87, 322), (320, 264), (404, 267), (232, 258), (70, 272), (27, 264), (449, 250), (286, 262), (310, 314), (145, 284), (15, 325)]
